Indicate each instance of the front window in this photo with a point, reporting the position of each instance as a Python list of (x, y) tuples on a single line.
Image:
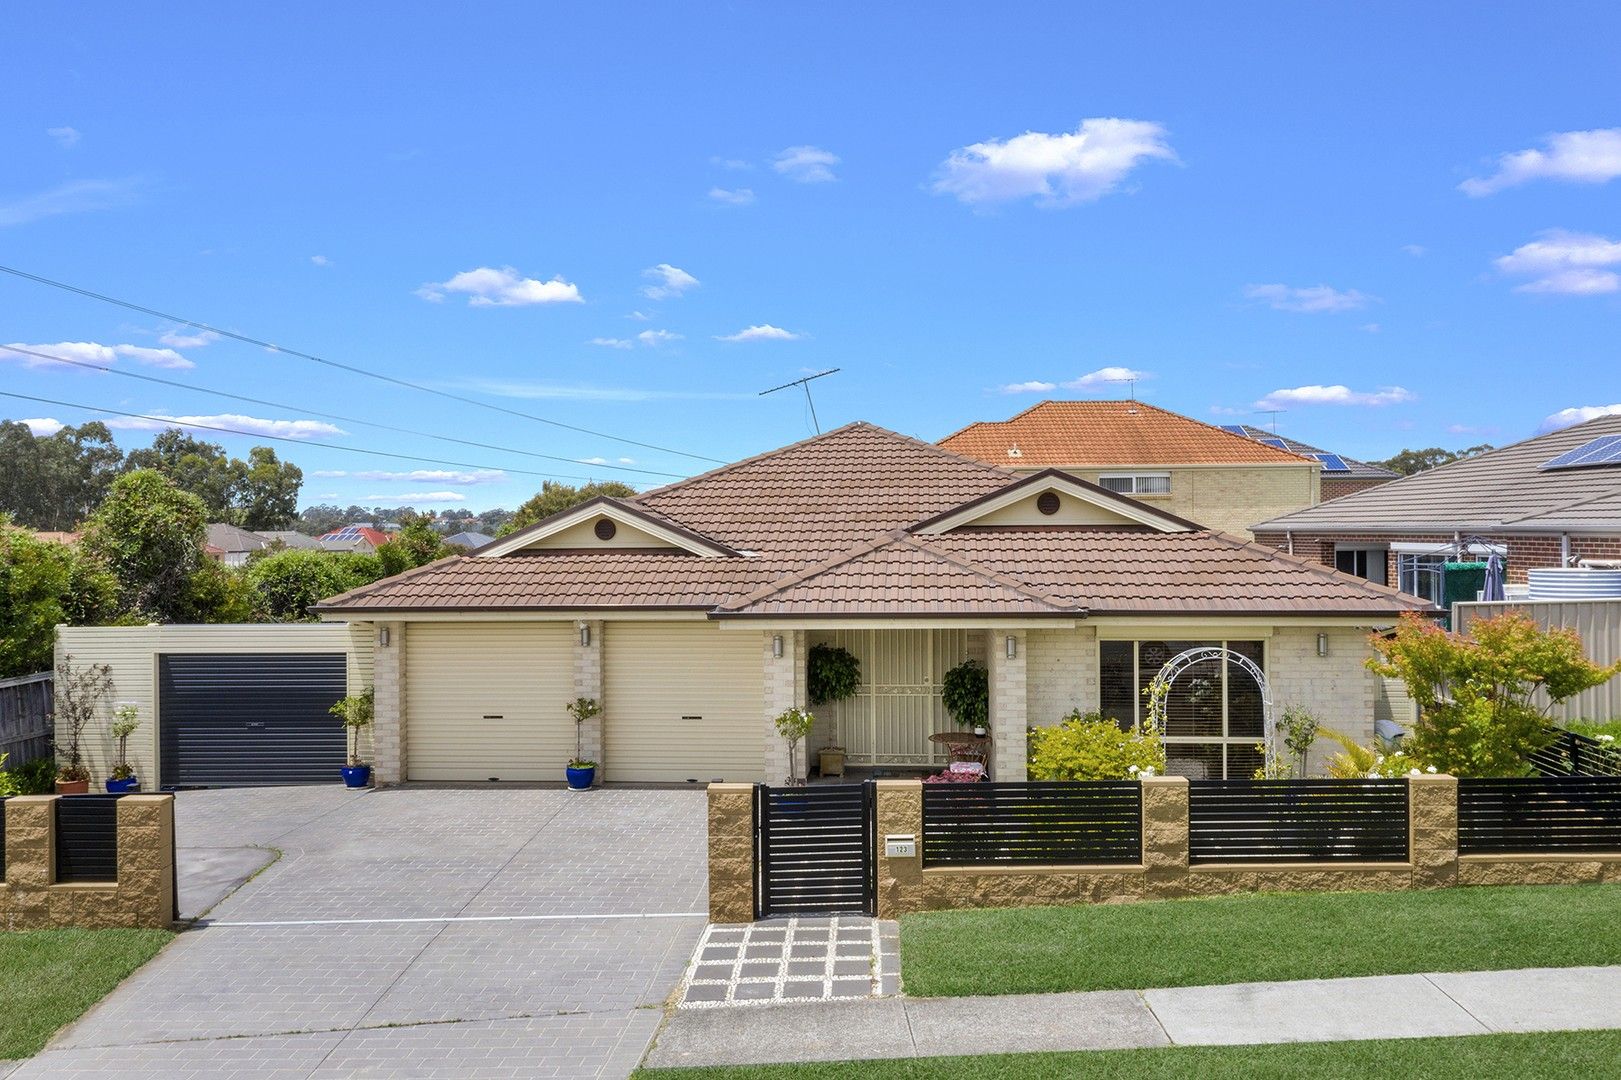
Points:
[(1213, 718), (1363, 562), (1422, 575), (1137, 483)]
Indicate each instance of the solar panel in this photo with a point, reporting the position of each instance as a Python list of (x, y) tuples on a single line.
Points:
[(1332, 462), (1275, 442), (1235, 429), (1604, 450)]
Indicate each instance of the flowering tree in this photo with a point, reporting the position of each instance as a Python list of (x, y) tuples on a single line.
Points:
[(1474, 691)]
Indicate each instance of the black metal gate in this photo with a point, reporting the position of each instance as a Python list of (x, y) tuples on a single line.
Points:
[(813, 850)]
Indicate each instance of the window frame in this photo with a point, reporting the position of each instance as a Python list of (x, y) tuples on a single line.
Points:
[(1136, 479)]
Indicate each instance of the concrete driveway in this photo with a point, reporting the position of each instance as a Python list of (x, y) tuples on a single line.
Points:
[(419, 932)]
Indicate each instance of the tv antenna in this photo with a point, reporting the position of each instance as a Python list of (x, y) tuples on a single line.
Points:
[(1133, 383), (1273, 413), (805, 383)]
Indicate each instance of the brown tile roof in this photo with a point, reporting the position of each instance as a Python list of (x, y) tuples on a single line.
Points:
[(1107, 434), (824, 522)]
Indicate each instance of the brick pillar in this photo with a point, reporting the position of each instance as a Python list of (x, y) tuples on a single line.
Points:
[(1010, 718), (146, 869), (1432, 818), (588, 684), (900, 881), (731, 853), (784, 689), (30, 860), (389, 765), (1165, 833)]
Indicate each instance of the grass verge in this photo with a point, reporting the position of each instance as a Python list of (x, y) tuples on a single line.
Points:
[(1551, 1056), (48, 978), (1257, 938)]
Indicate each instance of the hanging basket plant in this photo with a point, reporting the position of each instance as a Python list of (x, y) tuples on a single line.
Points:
[(966, 693), (831, 674)]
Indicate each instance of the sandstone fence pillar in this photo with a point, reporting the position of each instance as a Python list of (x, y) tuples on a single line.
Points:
[(731, 853), (1165, 833), (899, 810), (1432, 821), (146, 862)]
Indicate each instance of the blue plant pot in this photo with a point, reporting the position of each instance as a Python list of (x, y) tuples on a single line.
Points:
[(123, 787), (356, 776), (580, 779)]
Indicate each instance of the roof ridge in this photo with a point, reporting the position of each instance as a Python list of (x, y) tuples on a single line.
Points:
[(1321, 569)]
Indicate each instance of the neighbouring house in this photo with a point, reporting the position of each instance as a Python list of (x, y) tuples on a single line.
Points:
[(468, 540), (362, 539), (231, 545), (688, 612), (287, 538), (1180, 465), (1551, 501), (1342, 475)]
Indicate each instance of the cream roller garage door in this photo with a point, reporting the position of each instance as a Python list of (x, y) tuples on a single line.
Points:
[(682, 701), (484, 701)]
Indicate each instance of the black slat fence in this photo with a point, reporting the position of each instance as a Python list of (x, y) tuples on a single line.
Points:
[(1571, 754), (814, 850), (1297, 821), (1537, 815), (87, 838), (1066, 823)]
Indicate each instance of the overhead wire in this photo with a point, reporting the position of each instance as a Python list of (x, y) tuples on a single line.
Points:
[(351, 368)]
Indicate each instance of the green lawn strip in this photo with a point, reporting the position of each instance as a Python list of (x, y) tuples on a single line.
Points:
[(1257, 938), (1553, 1056), (48, 978)]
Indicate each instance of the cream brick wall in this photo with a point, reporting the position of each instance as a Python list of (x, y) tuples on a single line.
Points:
[(1009, 705), (1338, 688), (1063, 674), (389, 765), (784, 689), (1229, 498), (588, 684)]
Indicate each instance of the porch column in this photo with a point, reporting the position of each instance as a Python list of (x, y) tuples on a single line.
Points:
[(588, 683), (388, 721), (1009, 715), (784, 689)]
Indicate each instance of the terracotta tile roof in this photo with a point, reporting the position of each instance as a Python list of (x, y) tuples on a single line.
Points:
[(1106, 434)]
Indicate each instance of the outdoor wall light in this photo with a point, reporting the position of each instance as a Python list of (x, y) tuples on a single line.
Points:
[(382, 638), (585, 634), (1322, 644), (776, 645), (1012, 646)]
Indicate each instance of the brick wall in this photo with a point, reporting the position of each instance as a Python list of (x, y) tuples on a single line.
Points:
[(1009, 705), (1333, 489), (784, 689), (1524, 552), (142, 896), (389, 763), (588, 684), (1338, 688), (1062, 673), (1229, 498)]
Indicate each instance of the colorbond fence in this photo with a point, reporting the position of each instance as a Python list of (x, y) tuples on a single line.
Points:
[(1244, 821), (1539, 815), (1032, 824)]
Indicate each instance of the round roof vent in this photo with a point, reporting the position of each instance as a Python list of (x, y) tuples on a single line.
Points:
[(1047, 502), (605, 529)]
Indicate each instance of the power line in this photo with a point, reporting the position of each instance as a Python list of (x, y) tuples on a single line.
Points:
[(283, 438), (351, 368), (107, 369)]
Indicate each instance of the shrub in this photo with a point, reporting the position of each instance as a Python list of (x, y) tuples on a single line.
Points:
[(1089, 747), (831, 674), (37, 777), (966, 693), (1358, 762)]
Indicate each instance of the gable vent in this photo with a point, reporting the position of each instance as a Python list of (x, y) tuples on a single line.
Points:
[(605, 529), (1047, 502)]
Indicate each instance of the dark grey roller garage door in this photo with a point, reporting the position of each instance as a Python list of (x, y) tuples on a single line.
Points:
[(253, 718)]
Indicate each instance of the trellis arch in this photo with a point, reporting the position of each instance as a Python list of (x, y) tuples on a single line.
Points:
[(1159, 691)]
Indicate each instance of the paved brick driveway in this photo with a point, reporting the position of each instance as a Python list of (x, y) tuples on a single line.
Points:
[(338, 960)]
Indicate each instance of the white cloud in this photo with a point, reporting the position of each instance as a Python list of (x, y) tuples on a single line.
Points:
[(654, 338), (762, 332), (1308, 299), (320, 260), (504, 287), (253, 425), (1056, 170), (1333, 395), (1564, 418), (418, 497), (732, 196), (419, 476), (90, 352), (1033, 386), (731, 163), (1107, 375), (1566, 263), (669, 282), (638, 316), (806, 164), (1415, 250), (1370, 328), (592, 460), (612, 342), (1579, 157), (181, 339), (73, 197), (627, 461), (43, 425), (66, 137)]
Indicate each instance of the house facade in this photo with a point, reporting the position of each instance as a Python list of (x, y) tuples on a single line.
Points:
[(1550, 501), (1183, 466), (689, 611)]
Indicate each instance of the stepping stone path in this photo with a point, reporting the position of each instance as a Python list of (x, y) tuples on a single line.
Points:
[(839, 958)]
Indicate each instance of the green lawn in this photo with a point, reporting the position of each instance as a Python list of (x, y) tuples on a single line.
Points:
[(48, 978), (1255, 938), (1525, 1057)]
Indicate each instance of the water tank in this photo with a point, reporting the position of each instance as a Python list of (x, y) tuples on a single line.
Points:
[(1574, 583)]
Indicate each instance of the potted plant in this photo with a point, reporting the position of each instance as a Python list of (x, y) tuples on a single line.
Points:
[(356, 711), (966, 694), (580, 772), (79, 693), (830, 761), (126, 718), (793, 725), (831, 674)]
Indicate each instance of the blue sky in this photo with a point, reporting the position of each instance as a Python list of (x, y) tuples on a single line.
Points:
[(1397, 222)]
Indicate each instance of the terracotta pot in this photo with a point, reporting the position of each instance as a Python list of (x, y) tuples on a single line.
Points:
[(73, 787)]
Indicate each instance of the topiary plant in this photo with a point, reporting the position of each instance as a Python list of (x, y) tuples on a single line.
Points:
[(831, 674), (966, 693)]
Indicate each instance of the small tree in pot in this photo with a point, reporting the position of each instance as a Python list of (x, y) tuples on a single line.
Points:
[(126, 718), (793, 725), (581, 773), (80, 691), (966, 694), (356, 712)]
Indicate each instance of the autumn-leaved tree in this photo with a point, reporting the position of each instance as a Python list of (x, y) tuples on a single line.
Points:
[(1476, 691)]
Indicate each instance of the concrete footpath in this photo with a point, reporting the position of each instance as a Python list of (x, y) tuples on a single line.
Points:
[(1326, 1010)]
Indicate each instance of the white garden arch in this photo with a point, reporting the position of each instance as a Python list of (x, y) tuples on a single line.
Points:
[(1160, 690)]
